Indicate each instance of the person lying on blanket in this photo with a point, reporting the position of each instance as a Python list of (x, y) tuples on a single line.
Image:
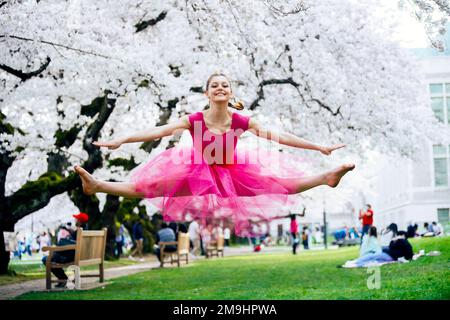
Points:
[(398, 248)]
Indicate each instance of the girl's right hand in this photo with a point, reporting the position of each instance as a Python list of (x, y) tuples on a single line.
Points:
[(111, 145), (328, 150)]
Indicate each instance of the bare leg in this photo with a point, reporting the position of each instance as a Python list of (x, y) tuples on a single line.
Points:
[(132, 253), (92, 185), (330, 178), (139, 250), (140, 244)]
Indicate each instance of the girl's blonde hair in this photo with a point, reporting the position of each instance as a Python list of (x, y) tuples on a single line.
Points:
[(238, 105)]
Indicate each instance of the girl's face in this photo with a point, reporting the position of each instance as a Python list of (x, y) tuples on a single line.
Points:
[(219, 89)]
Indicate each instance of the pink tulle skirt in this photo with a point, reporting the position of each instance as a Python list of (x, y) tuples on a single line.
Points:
[(256, 187)]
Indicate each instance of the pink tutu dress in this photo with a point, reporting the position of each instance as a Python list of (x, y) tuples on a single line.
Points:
[(214, 180)]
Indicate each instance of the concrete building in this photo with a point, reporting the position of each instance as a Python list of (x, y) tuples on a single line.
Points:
[(419, 191)]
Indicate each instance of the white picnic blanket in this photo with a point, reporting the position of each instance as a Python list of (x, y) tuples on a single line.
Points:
[(352, 263)]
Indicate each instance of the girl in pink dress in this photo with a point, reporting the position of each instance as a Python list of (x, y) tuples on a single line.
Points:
[(214, 179)]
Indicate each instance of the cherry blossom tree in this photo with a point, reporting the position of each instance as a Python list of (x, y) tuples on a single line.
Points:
[(76, 71), (433, 14)]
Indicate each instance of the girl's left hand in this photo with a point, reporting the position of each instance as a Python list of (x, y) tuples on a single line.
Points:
[(328, 150)]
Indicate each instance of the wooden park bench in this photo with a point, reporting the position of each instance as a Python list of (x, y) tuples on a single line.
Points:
[(215, 248), (182, 249), (347, 242), (89, 250)]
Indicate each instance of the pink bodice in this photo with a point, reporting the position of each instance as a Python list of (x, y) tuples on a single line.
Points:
[(212, 148)]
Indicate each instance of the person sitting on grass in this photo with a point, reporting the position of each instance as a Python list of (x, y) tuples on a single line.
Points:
[(437, 228), (340, 234), (399, 248), (370, 243), (353, 233), (429, 232), (411, 231), (388, 234)]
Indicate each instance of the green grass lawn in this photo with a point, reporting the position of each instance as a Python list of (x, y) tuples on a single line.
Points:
[(308, 275), (34, 269)]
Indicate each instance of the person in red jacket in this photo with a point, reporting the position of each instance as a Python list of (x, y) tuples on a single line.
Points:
[(367, 219)]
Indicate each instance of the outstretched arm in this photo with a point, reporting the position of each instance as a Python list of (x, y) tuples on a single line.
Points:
[(148, 135), (289, 139)]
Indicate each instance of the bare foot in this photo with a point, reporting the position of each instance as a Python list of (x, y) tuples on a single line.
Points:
[(333, 177), (90, 184)]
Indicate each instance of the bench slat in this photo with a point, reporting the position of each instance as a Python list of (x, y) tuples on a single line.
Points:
[(90, 262), (94, 233)]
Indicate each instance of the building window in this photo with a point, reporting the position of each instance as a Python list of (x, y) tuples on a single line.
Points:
[(441, 158), (443, 215), (440, 101), (440, 104)]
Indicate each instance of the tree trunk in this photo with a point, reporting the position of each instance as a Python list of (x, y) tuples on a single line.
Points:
[(4, 255), (109, 220), (89, 205), (57, 162)]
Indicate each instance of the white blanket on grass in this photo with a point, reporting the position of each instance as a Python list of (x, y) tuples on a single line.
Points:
[(352, 263)]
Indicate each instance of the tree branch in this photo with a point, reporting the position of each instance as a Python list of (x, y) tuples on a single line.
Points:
[(35, 195), (290, 81), (443, 6), (104, 107), (260, 92), (140, 26), (163, 119), (25, 76), (300, 7), (57, 45)]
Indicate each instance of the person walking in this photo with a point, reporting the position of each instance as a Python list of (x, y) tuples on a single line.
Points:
[(305, 237), (226, 236), (194, 236), (294, 233), (120, 240), (138, 236)]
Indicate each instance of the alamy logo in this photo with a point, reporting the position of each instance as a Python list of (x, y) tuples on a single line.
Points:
[(374, 280), (74, 281)]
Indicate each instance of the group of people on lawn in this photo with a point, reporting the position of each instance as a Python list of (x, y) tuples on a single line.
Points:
[(394, 243)]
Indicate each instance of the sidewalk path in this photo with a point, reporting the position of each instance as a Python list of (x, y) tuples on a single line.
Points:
[(16, 289)]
